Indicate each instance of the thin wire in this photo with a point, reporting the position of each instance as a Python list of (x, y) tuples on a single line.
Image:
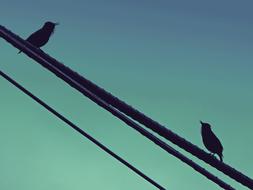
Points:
[(61, 71), (81, 131), (141, 130)]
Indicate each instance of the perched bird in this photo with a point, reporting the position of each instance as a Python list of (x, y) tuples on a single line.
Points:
[(41, 37), (211, 142)]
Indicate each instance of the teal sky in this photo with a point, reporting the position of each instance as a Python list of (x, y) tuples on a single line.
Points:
[(176, 61)]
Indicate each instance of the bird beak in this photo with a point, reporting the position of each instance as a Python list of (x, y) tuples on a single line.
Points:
[(201, 122), (57, 23)]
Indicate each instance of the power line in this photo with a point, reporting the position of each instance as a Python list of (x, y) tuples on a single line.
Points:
[(79, 83), (154, 139), (81, 131), (138, 128)]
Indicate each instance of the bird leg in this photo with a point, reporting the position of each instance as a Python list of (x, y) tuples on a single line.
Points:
[(211, 154)]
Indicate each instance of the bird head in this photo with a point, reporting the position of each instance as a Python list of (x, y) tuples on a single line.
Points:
[(49, 26), (206, 125)]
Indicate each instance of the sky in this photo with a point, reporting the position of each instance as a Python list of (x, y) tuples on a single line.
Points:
[(177, 61)]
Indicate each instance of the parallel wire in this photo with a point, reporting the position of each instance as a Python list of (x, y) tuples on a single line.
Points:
[(79, 81), (134, 125), (151, 137), (81, 131)]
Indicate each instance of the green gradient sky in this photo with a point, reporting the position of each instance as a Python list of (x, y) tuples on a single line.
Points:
[(177, 61)]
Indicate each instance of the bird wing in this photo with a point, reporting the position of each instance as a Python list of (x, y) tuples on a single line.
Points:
[(35, 38), (217, 142)]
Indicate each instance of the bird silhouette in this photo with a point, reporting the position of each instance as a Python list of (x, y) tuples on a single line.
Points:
[(41, 36), (211, 142)]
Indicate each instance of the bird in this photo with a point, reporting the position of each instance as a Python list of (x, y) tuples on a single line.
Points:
[(41, 36), (211, 142)]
